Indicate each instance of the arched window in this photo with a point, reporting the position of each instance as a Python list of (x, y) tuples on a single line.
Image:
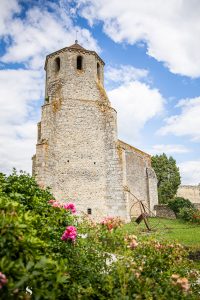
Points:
[(57, 64), (98, 71), (79, 63)]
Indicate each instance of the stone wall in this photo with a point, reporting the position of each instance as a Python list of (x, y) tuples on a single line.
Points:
[(152, 189), (163, 211), (78, 154), (190, 192), (138, 178), (197, 205), (70, 83)]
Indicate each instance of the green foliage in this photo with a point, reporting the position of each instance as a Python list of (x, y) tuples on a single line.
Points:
[(168, 177), (101, 264), (171, 229), (24, 189), (190, 215), (179, 203), (185, 210)]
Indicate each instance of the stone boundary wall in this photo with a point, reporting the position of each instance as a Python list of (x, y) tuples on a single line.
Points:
[(163, 211), (197, 205), (191, 192)]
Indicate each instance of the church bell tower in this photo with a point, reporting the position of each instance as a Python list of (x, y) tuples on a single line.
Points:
[(76, 151)]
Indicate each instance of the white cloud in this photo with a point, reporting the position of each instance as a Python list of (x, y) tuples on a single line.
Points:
[(170, 29), (190, 172), (136, 103), (168, 149), (40, 33), (17, 148), (187, 123), (125, 73), (20, 90), (28, 40), (7, 9)]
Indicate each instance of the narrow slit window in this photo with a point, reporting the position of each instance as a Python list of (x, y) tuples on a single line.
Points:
[(57, 64), (39, 131), (98, 71), (89, 211), (79, 63)]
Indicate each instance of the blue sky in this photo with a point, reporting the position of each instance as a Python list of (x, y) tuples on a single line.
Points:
[(152, 72)]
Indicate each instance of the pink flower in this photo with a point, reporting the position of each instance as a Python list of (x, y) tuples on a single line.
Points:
[(111, 222), (181, 282), (51, 201), (133, 244), (70, 206), (3, 280), (158, 246), (69, 234), (56, 204)]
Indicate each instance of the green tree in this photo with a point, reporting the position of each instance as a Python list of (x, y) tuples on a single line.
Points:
[(168, 176)]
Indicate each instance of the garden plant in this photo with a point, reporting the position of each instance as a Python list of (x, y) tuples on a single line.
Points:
[(49, 252), (185, 210)]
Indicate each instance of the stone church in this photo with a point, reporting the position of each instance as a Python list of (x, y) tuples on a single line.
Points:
[(78, 154)]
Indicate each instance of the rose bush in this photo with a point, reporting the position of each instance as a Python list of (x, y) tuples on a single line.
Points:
[(190, 215), (91, 261), (179, 203)]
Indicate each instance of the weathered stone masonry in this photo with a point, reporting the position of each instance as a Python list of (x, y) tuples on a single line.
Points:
[(191, 192), (78, 154)]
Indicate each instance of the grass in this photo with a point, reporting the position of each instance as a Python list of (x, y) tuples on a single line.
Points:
[(171, 230)]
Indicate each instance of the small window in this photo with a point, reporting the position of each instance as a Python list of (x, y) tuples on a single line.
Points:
[(39, 131), (98, 71), (57, 64), (79, 63), (89, 211)]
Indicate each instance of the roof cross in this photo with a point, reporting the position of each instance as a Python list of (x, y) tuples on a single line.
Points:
[(76, 41)]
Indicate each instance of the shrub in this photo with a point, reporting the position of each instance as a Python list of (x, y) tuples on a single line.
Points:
[(91, 262), (185, 210), (111, 223), (186, 214), (190, 215), (178, 203)]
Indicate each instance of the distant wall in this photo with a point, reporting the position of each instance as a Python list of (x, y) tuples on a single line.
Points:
[(163, 211), (197, 205), (191, 192)]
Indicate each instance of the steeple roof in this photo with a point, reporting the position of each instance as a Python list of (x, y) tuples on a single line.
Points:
[(74, 47)]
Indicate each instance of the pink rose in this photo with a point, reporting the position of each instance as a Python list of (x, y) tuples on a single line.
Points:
[(69, 234), (56, 204), (3, 280), (133, 244), (51, 201), (70, 206)]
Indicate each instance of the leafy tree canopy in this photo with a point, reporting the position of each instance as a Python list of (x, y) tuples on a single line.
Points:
[(168, 176)]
